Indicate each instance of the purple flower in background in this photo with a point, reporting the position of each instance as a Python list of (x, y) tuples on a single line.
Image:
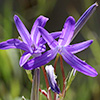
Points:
[(52, 78), (32, 43), (64, 48)]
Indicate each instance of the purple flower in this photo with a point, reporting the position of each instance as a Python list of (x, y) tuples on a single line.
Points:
[(52, 78), (32, 43), (64, 48)]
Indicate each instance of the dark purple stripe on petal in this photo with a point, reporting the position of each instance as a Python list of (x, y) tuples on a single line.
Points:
[(78, 64), (67, 32), (75, 48), (14, 44), (55, 35), (22, 30), (41, 60), (35, 34), (24, 58), (48, 38), (84, 18)]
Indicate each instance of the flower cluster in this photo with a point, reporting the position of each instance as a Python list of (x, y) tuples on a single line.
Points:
[(64, 48), (33, 44)]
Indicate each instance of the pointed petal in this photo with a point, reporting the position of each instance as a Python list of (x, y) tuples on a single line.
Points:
[(22, 30), (55, 35), (24, 58), (41, 60), (48, 38), (15, 44), (35, 34), (78, 64), (75, 48), (52, 78), (67, 32), (84, 18)]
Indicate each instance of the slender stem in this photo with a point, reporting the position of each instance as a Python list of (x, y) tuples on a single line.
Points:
[(47, 83), (62, 70), (45, 76), (54, 96), (35, 85), (55, 64)]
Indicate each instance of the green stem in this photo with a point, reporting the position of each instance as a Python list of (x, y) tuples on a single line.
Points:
[(63, 74), (35, 85), (57, 57)]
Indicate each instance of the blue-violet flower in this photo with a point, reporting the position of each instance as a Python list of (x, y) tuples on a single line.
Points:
[(32, 43), (64, 48)]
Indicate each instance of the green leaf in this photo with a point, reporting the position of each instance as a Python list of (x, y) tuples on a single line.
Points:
[(70, 78), (29, 74)]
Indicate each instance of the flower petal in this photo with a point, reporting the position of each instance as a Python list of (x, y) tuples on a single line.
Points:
[(41, 48), (84, 18), (41, 60), (48, 38), (55, 35), (67, 32), (78, 64), (35, 34), (75, 48), (22, 30), (15, 44), (52, 78), (24, 58)]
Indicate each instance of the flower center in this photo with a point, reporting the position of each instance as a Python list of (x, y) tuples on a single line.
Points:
[(33, 47), (60, 49)]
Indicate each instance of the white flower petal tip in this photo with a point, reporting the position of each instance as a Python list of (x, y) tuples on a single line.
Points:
[(52, 79)]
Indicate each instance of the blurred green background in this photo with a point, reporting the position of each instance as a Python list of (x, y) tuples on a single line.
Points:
[(14, 82)]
